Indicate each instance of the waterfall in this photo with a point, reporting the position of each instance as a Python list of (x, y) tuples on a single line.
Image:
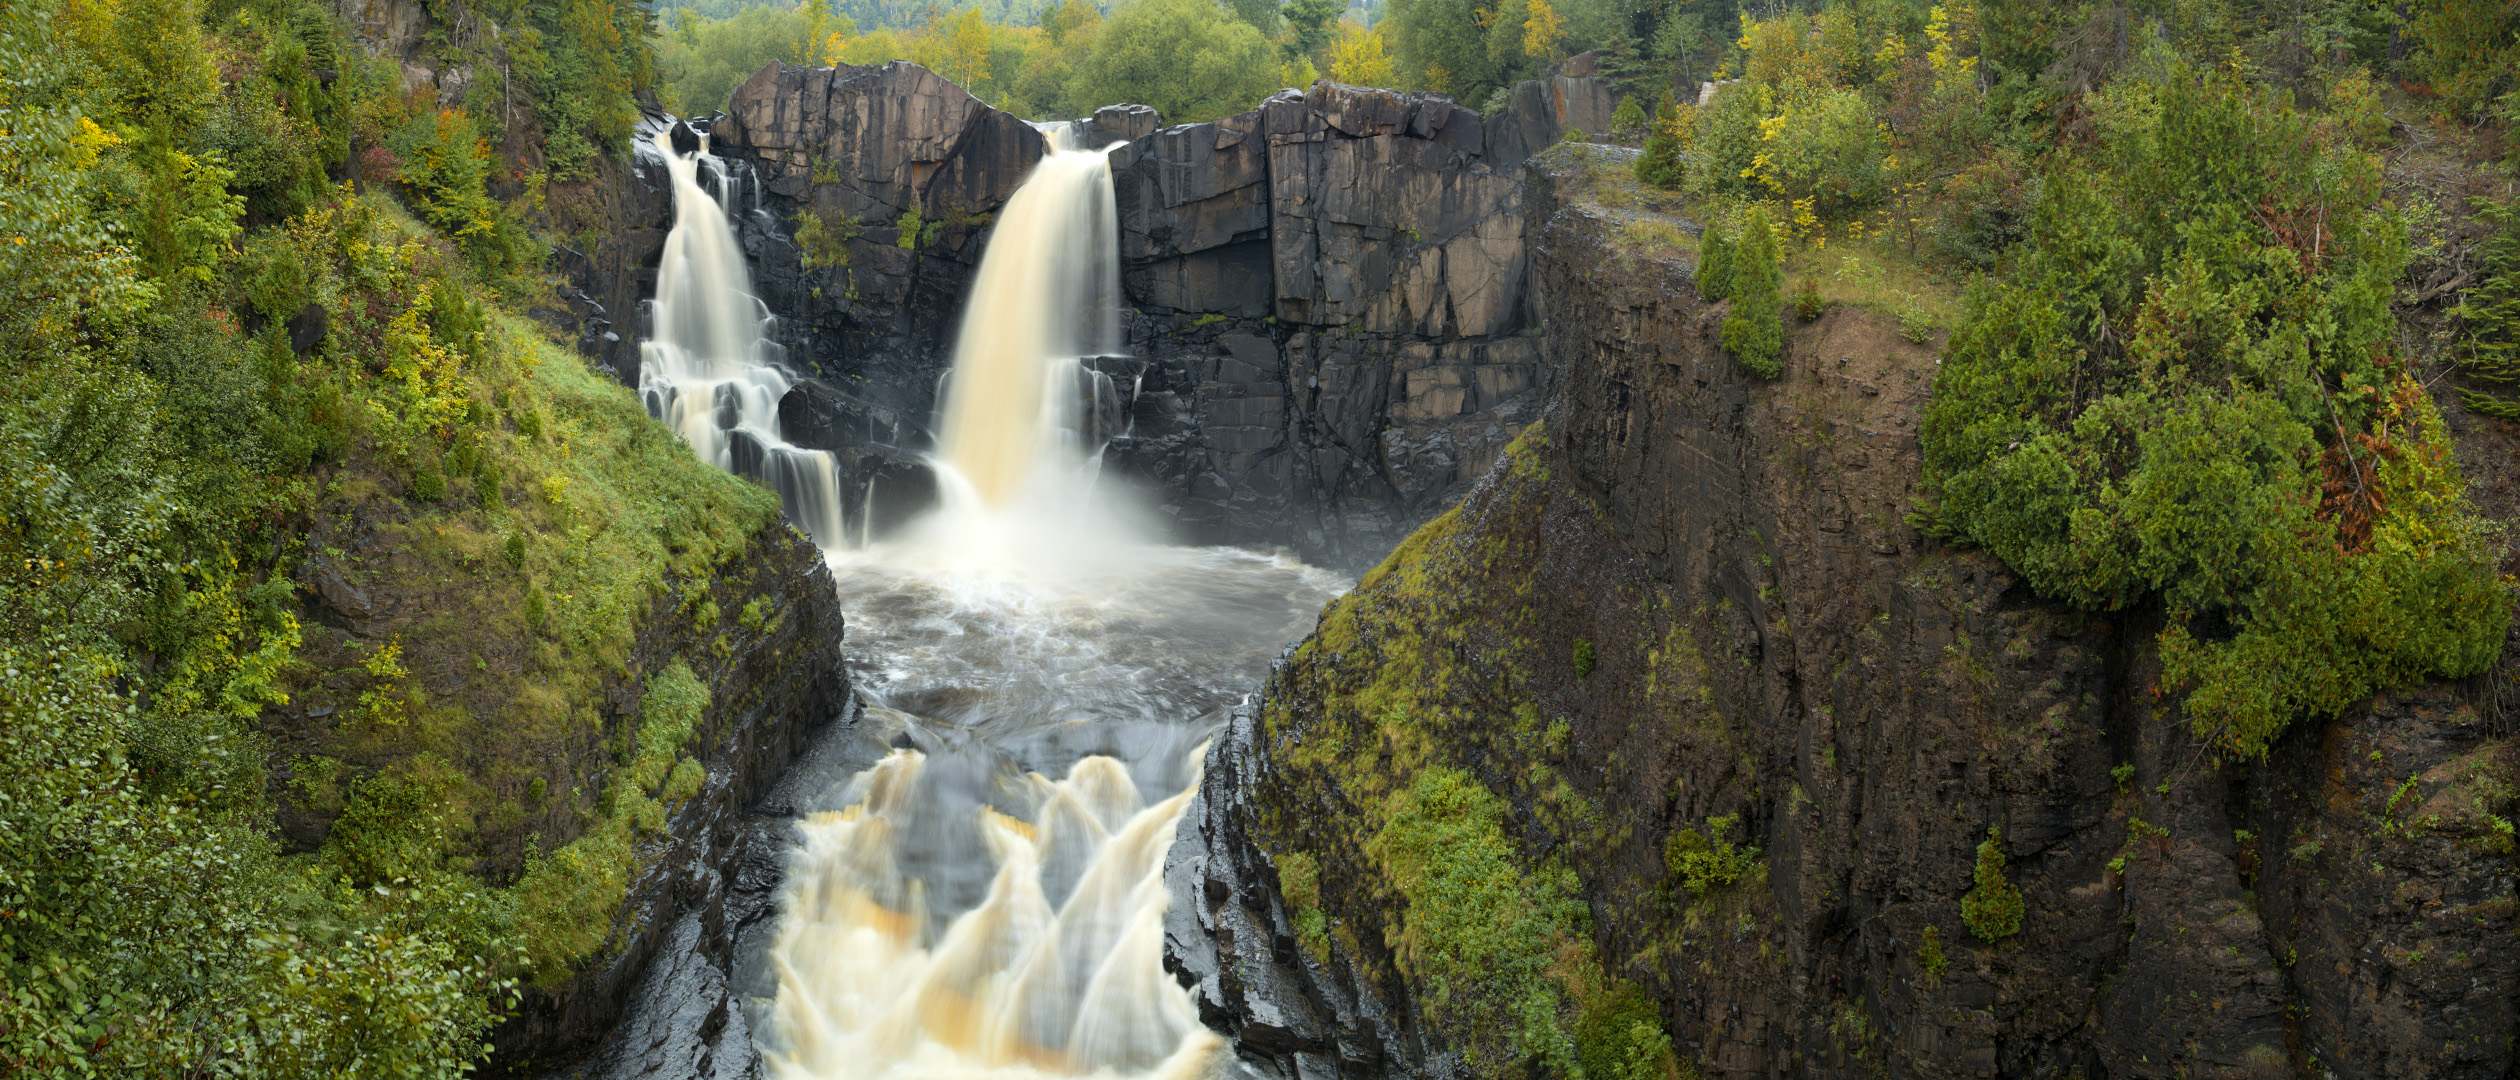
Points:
[(710, 371), (1021, 419), (951, 911)]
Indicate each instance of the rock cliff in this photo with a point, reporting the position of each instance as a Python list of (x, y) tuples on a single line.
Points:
[(774, 690), (1330, 330), (1741, 733)]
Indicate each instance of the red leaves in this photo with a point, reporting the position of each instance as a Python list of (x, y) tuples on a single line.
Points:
[(2350, 493)]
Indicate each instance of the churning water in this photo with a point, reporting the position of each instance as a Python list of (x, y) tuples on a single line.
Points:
[(988, 900)]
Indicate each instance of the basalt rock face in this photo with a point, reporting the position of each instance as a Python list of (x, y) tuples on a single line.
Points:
[(1330, 331), (773, 692), (599, 295), (1693, 595)]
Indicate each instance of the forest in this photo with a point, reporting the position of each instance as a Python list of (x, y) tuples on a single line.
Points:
[(250, 273)]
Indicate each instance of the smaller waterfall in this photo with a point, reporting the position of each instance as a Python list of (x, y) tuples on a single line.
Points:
[(710, 371)]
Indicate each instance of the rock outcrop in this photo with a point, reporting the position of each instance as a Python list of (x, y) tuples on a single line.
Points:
[(1330, 330), (774, 692), (1691, 603)]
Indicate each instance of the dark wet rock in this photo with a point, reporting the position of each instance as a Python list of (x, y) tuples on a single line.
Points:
[(1227, 937), (686, 141), (307, 328), (696, 1009), (1375, 217)]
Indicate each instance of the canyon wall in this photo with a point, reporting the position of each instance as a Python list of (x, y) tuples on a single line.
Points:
[(1329, 330), (775, 687), (1737, 733)]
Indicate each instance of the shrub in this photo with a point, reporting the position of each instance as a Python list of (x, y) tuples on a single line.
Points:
[(1930, 958), (1754, 332), (1992, 907), (1704, 860), (1478, 932), (1619, 1035), (1807, 303), (1299, 884)]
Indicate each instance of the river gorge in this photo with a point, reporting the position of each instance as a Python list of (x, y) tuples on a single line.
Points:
[(1246, 528)]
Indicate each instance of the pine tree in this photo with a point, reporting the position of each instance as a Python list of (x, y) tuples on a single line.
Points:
[(2491, 315), (1755, 333), (1659, 165), (1992, 907), (1629, 117), (1714, 269)]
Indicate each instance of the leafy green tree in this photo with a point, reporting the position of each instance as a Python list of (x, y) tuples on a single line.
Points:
[(2186, 394), (1261, 15), (1187, 58), (704, 60), (2469, 52), (1754, 332)]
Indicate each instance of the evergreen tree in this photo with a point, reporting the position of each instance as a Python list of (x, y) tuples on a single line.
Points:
[(1755, 333), (1715, 259), (1630, 115), (2491, 314), (1992, 907)]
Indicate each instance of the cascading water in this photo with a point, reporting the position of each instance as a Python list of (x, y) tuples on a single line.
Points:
[(710, 370), (953, 911)]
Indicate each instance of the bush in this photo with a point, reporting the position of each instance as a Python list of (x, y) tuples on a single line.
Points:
[(1704, 861), (1754, 332), (1992, 907), (1620, 1036), (1807, 303), (1930, 958)]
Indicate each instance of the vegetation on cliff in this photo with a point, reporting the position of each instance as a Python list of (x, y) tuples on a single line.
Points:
[(2187, 389), (2179, 382), (1423, 727), (302, 527)]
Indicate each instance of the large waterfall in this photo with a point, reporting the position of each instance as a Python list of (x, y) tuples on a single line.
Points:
[(709, 370), (1012, 414), (987, 900)]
